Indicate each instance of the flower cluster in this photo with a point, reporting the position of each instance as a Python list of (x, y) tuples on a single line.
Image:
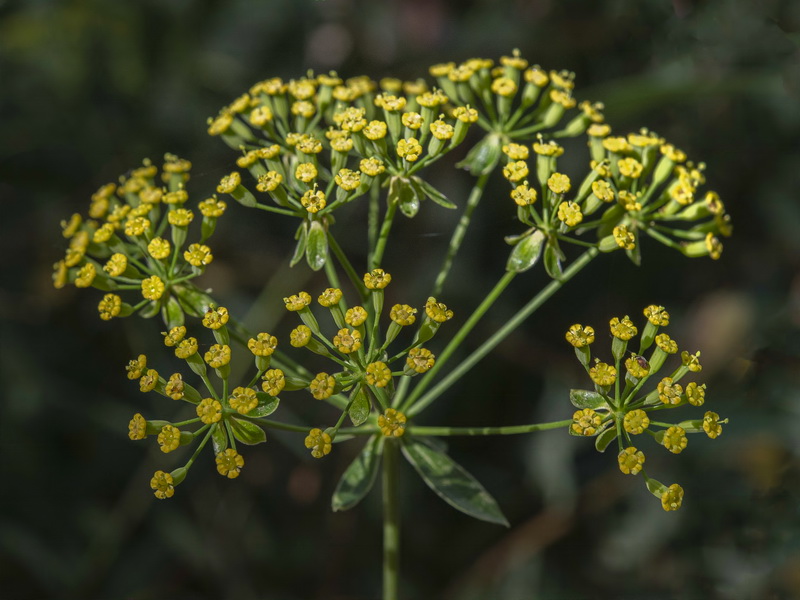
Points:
[(135, 238), (365, 368), (221, 414), (618, 409)]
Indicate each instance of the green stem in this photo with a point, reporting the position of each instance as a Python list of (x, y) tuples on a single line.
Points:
[(458, 235), (357, 282), (507, 430), (498, 336), (391, 522), (275, 209), (380, 246), (282, 426), (372, 219), (441, 359)]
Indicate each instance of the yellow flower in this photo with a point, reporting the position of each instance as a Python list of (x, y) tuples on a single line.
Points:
[(263, 344), (586, 422), (378, 374), (516, 171), (313, 200), (209, 411), (273, 382), (109, 307), (669, 392), (603, 190), (322, 386), (675, 439), (186, 348), (559, 183), (603, 374), (630, 461), (420, 360), (86, 275), (465, 114), (103, 233), (392, 423), (60, 275), (347, 340), (153, 288), (712, 425), (548, 149), (371, 166), (348, 180), (666, 343), (218, 356), (437, 311), (330, 297), (318, 442), (377, 279), (672, 498), (174, 388), (137, 226), (636, 421), (220, 124), (243, 400), (212, 208), (116, 265), (229, 463), (579, 335), (714, 246), (174, 336), (696, 394), (503, 86), (523, 195), (136, 367), (162, 485), (409, 149), (691, 361), (300, 336), (269, 181), (516, 151), (169, 438), (624, 238), (637, 366), (306, 172), (630, 167), (570, 213), (215, 318), (69, 228), (176, 197), (180, 217), (297, 302), (375, 130), (657, 315), (198, 255), (355, 316), (442, 130), (623, 329), (137, 428), (403, 314), (616, 144), (229, 183), (148, 381), (158, 248)]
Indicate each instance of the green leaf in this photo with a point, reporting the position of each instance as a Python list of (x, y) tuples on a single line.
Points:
[(317, 246), (358, 479), (359, 409), (586, 399), (266, 405), (552, 259), (407, 198), (526, 252), (247, 432), (434, 194), (302, 239), (452, 483), (172, 313), (219, 438), (604, 439), (484, 155)]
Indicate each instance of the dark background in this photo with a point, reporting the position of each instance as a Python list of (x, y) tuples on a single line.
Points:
[(89, 88)]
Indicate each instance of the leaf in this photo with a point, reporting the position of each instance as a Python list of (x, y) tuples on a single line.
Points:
[(526, 253), (407, 198), (302, 238), (219, 438), (434, 194), (484, 156), (359, 477), (552, 259), (359, 409), (316, 246), (452, 483), (266, 405), (586, 399), (247, 432), (605, 438)]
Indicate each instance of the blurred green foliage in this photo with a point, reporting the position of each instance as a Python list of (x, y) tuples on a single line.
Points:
[(90, 87)]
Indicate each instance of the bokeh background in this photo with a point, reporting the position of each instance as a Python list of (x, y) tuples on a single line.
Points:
[(88, 88)]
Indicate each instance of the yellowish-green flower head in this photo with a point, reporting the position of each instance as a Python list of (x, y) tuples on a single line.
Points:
[(175, 388), (675, 439), (695, 394), (322, 386), (603, 374), (216, 318), (666, 343), (559, 183), (631, 461), (522, 195), (162, 485), (313, 200), (586, 422), (169, 438), (516, 171), (198, 255), (148, 381), (263, 344), (159, 248), (637, 366), (377, 279), (579, 335), (186, 348), (297, 301), (636, 421), (273, 382), (570, 213), (712, 425), (300, 336), (137, 428), (437, 311), (347, 340), (319, 442), (672, 498), (243, 400), (403, 314), (209, 411), (420, 360), (218, 356), (392, 423), (136, 367), (229, 463)]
